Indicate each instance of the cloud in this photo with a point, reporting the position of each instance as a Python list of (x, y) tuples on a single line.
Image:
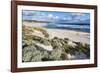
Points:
[(56, 17), (43, 14), (76, 16), (28, 13), (50, 15), (47, 16)]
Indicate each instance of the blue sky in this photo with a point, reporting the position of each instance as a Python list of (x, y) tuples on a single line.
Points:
[(56, 16)]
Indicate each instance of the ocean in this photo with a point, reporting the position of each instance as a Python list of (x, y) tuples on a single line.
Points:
[(71, 26)]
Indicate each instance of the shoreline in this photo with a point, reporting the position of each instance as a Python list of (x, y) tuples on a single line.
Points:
[(45, 25)]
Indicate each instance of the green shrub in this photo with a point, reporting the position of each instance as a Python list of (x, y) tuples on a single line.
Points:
[(56, 54), (64, 56), (27, 56), (85, 48), (69, 49), (36, 56), (66, 40), (56, 43)]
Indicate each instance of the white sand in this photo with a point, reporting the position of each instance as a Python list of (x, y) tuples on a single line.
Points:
[(49, 48), (71, 34)]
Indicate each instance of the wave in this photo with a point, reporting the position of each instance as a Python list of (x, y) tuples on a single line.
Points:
[(84, 27)]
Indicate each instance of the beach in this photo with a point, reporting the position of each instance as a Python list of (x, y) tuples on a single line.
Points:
[(73, 35), (76, 36)]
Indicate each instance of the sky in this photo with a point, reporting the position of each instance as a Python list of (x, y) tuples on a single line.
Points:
[(54, 16)]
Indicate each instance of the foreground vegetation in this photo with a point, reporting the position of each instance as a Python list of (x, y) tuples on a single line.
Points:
[(32, 52)]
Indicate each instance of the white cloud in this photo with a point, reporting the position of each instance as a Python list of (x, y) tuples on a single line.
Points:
[(64, 18), (56, 17), (43, 14), (50, 15), (77, 14)]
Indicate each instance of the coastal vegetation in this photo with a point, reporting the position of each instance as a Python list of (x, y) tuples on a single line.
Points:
[(35, 47)]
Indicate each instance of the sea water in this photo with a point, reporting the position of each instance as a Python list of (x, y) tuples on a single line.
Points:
[(71, 26)]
